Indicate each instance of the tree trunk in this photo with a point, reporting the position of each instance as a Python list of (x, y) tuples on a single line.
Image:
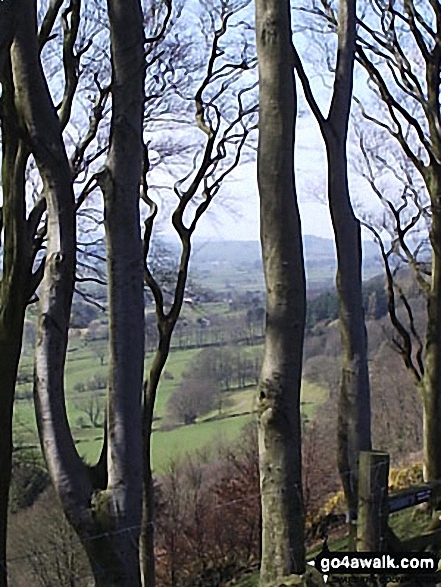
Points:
[(354, 411), (107, 521), (13, 291), (10, 347), (279, 388), (431, 384), (121, 188), (43, 133), (147, 543), (354, 418), (147, 548)]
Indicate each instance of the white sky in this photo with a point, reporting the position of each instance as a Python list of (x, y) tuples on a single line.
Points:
[(234, 215)]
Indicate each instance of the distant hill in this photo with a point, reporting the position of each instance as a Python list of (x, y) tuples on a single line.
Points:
[(316, 248), (228, 264), (320, 256)]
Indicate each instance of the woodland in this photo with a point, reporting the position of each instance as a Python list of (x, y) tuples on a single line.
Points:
[(158, 428)]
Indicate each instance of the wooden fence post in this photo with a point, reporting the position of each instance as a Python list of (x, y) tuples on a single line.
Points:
[(372, 522)]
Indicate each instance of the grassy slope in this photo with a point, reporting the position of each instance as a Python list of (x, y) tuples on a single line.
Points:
[(82, 365)]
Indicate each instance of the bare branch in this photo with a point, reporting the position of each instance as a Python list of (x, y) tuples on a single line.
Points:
[(404, 346), (47, 25)]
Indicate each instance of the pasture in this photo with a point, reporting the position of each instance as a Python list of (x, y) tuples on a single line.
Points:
[(85, 395)]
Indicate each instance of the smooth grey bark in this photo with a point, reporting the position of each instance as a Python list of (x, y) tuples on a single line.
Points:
[(43, 135), (120, 183), (354, 409), (20, 245), (107, 519), (279, 387), (354, 412)]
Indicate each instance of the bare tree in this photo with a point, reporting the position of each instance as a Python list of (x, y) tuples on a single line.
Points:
[(279, 388), (114, 512), (95, 504), (15, 284), (93, 408), (13, 294), (191, 399), (354, 424), (59, 560), (224, 104), (398, 47), (120, 181), (24, 227)]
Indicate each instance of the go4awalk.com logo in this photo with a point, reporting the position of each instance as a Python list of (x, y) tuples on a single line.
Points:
[(374, 563)]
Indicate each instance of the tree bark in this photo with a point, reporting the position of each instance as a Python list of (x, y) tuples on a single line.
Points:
[(43, 134), (13, 290), (431, 383), (107, 521), (354, 415), (354, 410), (279, 387), (125, 268)]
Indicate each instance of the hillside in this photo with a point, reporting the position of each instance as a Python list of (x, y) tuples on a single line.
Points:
[(223, 260)]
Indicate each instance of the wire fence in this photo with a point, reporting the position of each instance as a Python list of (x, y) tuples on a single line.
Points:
[(64, 563)]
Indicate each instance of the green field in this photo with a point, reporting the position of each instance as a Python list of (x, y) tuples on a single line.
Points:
[(169, 444)]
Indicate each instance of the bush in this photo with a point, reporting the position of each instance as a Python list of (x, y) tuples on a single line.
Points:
[(208, 517)]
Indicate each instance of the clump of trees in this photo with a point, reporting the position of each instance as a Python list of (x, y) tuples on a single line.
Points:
[(212, 373), (191, 399), (227, 366)]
